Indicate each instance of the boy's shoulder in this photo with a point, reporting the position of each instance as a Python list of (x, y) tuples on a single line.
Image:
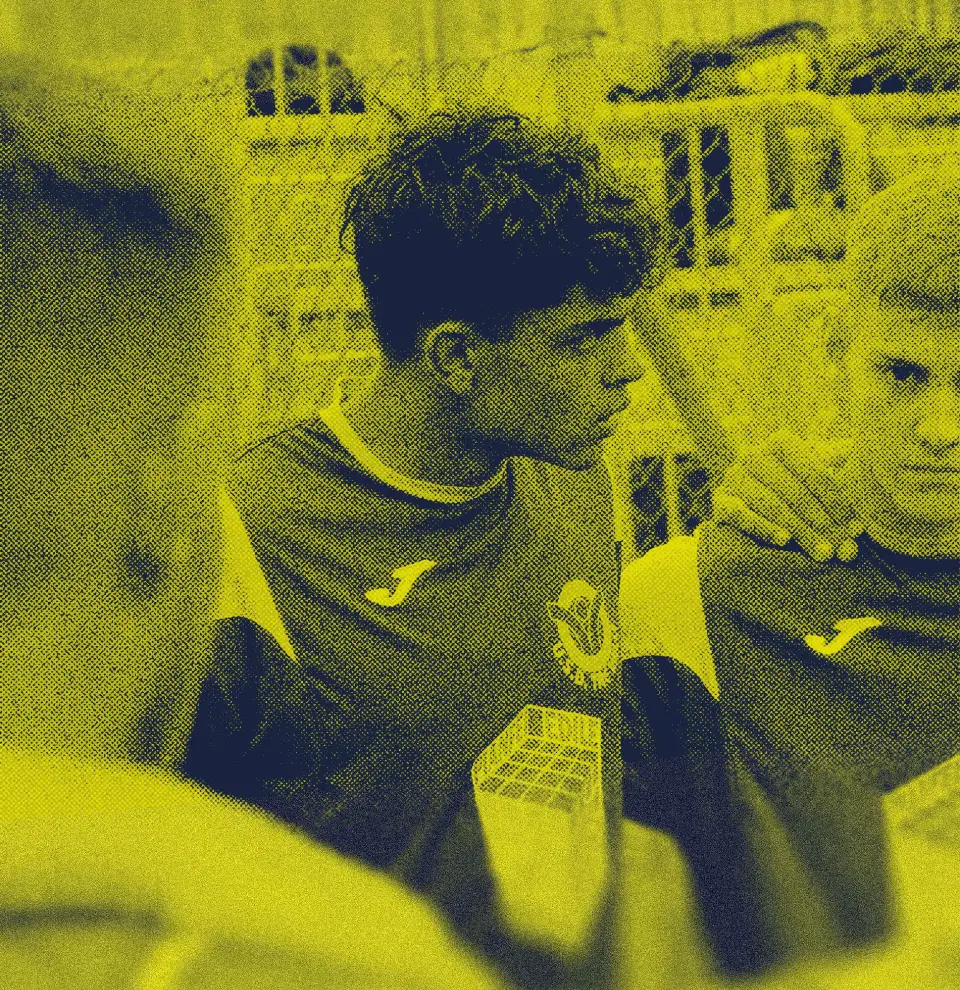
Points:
[(726, 553), (309, 447), (661, 611), (667, 594), (301, 477)]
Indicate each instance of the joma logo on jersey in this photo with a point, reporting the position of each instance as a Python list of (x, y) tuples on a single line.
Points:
[(586, 647), (406, 577), (846, 630)]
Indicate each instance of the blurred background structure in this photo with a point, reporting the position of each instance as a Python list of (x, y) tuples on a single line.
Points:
[(755, 127)]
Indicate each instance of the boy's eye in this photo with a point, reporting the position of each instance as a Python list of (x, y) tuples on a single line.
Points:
[(905, 373), (588, 339)]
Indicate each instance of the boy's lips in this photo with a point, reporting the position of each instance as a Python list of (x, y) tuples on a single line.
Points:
[(606, 425), (948, 474)]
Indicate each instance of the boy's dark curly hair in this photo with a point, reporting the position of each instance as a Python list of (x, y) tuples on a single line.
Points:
[(480, 217)]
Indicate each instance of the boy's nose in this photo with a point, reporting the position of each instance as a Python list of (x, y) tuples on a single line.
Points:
[(625, 363)]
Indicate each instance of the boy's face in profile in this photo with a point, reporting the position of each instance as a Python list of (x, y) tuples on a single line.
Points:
[(899, 389), (550, 388)]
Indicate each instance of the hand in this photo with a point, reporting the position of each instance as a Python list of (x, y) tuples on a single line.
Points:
[(788, 489)]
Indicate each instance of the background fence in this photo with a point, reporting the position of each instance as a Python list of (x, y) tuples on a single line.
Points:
[(754, 192), (756, 226), (755, 143)]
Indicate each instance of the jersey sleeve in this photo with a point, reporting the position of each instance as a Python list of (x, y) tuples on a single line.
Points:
[(784, 865), (661, 611), (268, 730), (242, 590)]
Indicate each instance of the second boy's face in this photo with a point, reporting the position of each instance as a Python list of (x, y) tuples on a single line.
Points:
[(900, 391), (551, 389)]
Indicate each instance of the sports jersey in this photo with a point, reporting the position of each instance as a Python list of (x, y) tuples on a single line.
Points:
[(853, 666), (786, 733), (445, 642)]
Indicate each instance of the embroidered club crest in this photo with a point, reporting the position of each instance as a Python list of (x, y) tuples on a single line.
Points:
[(586, 646)]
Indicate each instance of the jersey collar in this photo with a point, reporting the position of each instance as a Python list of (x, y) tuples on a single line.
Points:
[(332, 416)]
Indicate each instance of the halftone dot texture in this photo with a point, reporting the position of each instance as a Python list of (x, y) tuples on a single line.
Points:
[(545, 757), (930, 804), (307, 332), (116, 239), (305, 318), (539, 792), (870, 702), (904, 245), (113, 877)]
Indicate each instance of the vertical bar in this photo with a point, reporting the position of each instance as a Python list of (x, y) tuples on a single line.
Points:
[(671, 491), (279, 81), (12, 26), (616, 15), (696, 23), (698, 209), (751, 196), (937, 16), (506, 31), (697, 196), (570, 34), (855, 156), (618, 457)]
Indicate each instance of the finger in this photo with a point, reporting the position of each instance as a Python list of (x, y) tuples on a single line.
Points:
[(816, 465), (785, 485), (801, 459), (837, 454), (731, 511), (763, 500)]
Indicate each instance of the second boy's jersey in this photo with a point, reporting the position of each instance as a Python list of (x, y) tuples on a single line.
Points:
[(851, 666), (810, 679), (425, 619)]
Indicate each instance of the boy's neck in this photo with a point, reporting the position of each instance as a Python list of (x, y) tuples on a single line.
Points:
[(412, 428)]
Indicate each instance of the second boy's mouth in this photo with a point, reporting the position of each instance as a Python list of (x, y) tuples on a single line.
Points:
[(933, 473)]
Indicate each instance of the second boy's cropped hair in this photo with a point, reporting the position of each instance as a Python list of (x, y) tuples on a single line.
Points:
[(480, 217), (902, 246)]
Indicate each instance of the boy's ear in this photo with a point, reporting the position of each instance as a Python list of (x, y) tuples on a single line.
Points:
[(451, 352)]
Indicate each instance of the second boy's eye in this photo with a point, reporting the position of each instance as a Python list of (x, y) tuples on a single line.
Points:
[(906, 372)]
